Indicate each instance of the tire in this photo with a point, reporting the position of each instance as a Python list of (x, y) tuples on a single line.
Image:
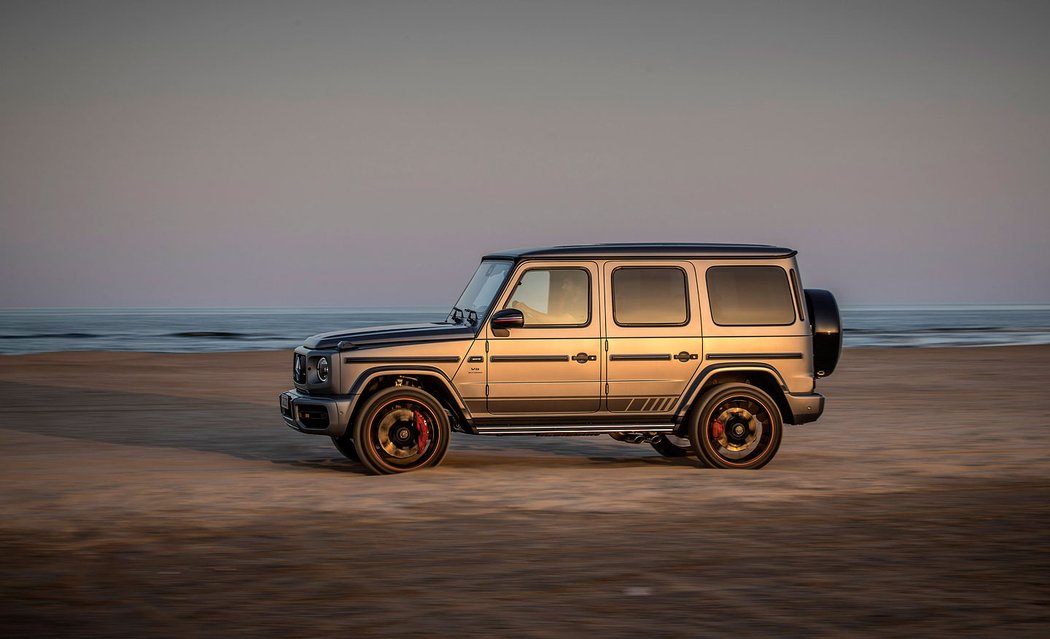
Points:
[(345, 445), (673, 446), (825, 323), (401, 429), (736, 426)]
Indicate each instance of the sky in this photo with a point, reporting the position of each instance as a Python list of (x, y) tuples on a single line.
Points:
[(231, 154)]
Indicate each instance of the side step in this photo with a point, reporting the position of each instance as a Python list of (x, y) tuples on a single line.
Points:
[(572, 429)]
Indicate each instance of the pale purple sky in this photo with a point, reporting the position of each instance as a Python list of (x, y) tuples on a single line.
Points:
[(367, 153)]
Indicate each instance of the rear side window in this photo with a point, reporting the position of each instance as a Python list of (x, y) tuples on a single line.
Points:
[(750, 296), (649, 296)]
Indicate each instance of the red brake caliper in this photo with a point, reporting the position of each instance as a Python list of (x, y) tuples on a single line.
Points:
[(717, 429), (424, 431)]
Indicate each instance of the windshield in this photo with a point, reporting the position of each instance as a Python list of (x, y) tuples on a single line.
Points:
[(477, 298)]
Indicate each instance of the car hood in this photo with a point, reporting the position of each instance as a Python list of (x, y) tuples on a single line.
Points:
[(373, 336)]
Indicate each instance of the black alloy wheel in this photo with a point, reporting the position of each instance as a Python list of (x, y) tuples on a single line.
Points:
[(737, 426), (400, 429)]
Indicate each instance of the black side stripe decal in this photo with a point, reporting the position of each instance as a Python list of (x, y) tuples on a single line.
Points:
[(449, 359), (529, 358), (751, 356)]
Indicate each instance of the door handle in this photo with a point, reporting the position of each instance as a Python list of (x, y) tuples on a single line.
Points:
[(583, 358), (685, 356)]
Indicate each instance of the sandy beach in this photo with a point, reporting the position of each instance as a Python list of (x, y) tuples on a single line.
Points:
[(162, 495)]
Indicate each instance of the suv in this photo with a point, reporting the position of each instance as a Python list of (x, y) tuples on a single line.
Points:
[(697, 349)]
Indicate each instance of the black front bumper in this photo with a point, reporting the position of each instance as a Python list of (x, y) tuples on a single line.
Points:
[(315, 415)]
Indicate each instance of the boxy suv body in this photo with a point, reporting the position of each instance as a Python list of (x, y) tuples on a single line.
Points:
[(697, 349)]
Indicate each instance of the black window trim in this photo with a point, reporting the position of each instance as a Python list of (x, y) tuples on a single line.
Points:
[(685, 286), (590, 294), (710, 301), (796, 288)]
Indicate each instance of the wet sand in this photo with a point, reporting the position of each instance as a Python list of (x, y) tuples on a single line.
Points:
[(162, 495)]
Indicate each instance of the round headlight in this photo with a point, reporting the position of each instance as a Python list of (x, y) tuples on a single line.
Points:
[(323, 369)]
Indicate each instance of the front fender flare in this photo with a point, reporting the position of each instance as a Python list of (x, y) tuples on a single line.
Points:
[(370, 374)]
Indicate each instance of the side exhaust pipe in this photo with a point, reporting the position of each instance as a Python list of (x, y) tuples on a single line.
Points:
[(640, 438)]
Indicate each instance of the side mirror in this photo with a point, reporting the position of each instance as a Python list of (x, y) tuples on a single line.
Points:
[(508, 318)]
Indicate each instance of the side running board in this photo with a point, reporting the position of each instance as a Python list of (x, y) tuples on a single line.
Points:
[(573, 429)]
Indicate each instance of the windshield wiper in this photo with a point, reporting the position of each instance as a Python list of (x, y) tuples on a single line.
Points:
[(456, 315)]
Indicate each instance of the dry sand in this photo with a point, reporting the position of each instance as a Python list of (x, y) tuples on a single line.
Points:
[(162, 495)]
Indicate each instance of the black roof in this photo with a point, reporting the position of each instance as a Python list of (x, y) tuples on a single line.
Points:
[(655, 250)]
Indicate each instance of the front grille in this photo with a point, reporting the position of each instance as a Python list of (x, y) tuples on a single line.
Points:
[(299, 369), (313, 416)]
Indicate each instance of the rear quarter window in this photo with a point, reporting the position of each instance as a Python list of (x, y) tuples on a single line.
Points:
[(750, 296)]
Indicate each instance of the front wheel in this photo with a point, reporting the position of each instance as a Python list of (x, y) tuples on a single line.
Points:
[(401, 428), (737, 426)]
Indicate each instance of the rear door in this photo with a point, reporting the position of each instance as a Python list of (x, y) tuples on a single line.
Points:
[(652, 323)]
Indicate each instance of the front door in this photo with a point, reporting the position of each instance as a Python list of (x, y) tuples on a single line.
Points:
[(653, 328), (552, 365)]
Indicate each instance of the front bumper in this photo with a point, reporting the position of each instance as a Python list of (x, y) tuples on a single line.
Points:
[(316, 415), (805, 407)]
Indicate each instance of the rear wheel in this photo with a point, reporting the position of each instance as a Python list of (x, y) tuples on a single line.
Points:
[(737, 426), (401, 429)]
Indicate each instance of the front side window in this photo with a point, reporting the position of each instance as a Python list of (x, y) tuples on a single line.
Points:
[(750, 296), (649, 296), (553, 297)]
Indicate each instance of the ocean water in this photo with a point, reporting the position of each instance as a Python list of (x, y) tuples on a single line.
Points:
[(211, 330), (187, 330), (930, 326)]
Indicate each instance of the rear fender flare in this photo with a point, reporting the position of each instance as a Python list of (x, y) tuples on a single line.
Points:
[(697, 386)]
